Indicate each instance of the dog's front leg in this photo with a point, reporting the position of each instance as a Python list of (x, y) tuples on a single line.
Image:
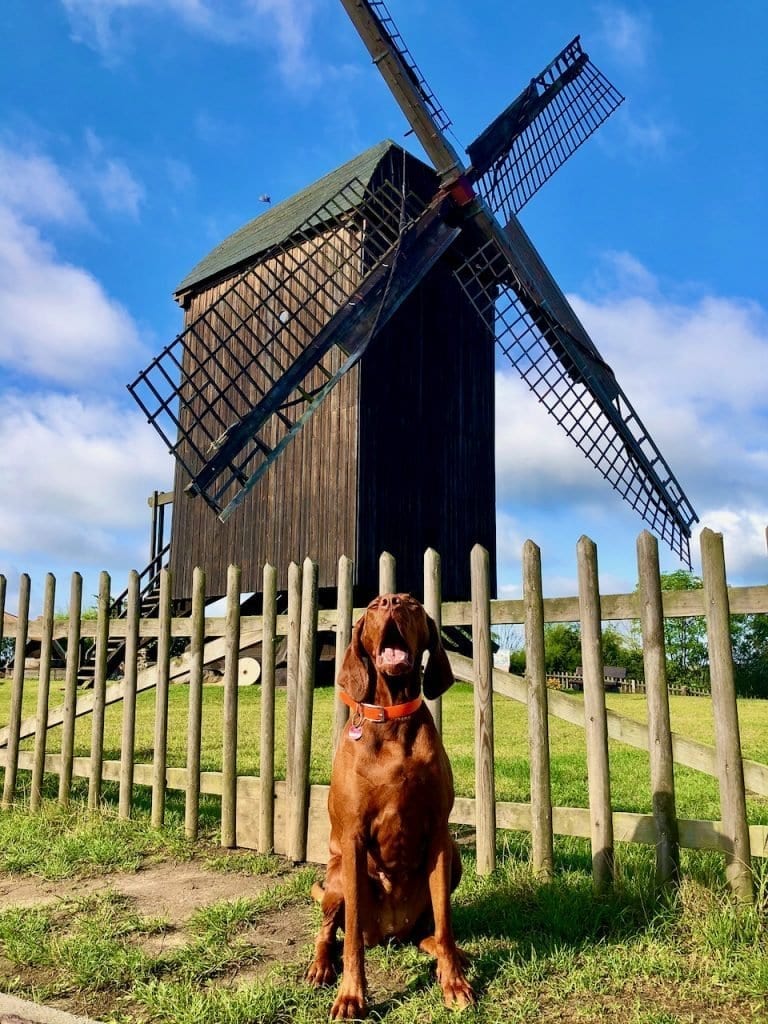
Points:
[(442, 945), (350, 1002)]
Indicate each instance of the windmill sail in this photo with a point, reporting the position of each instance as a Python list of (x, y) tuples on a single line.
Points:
[(233, 389), (510, 285), (546, 124), (540, 335)]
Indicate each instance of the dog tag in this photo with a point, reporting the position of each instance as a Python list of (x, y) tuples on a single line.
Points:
[(355, 731)]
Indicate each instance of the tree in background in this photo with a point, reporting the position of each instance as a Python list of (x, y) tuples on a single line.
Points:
[(749, 637), (685, 638)]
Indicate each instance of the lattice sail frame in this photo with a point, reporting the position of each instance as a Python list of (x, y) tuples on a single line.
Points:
[(566, 377), (541, 129), (235, 356)]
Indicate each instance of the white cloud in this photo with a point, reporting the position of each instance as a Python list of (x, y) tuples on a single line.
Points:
[(83, 471), (280, 25), (56, 319), (119, 190), (33, 186), (744, 539), (627, 34)]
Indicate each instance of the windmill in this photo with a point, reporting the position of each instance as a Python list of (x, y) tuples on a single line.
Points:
[(271, 342)]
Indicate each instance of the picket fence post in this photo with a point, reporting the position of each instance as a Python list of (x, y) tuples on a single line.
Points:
[(595, 718), (542, 843)]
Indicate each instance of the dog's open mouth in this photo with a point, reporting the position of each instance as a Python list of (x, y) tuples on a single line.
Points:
[(393, 658)]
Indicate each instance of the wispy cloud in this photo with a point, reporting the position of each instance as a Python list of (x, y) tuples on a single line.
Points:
[(628, 34), (57, 320), (282, 26), (33, 186)]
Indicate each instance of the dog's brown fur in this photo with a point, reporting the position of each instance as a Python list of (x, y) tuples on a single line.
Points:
[(393, 863)]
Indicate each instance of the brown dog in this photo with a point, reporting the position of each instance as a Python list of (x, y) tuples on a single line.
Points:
[(393, 863)]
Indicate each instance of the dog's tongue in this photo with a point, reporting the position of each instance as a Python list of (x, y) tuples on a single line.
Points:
[(391, 657)]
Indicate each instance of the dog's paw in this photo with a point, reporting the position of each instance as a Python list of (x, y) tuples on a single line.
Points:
[(349, 1005), (322, 971), (457, 992)]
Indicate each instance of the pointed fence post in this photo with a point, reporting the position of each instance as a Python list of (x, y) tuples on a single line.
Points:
[(292, 669), (733, 807), (343, 636), (160, 756), (485, 789), (70, 688), (43, 691), (267, 732), (433, 603), (229, 728), (595, 718), (387, 573), (99, 690), (130, 677), (195, 705), (659, 727), (17, 693), (299, 810), (542, 843)]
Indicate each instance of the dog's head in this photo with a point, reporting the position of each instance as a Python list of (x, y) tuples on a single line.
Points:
[(389, 640)]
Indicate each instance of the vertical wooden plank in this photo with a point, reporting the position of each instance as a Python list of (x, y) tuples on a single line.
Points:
[(433, 602), (70, 687), (659, 726), (298, 811), (595, 718), (160, 757), (99, 689), (485, 789), (3, 586), (292, 666), (387, 573), (344, 603), (43, 691), (229, 736), (542, 843), (195, 705), (17, 693), (738, 863), (267, 737), (130, 673)]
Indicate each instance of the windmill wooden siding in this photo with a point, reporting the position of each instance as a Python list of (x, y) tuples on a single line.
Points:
[(398, 457)]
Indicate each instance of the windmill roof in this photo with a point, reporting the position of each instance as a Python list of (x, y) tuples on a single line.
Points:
[(282, 220)]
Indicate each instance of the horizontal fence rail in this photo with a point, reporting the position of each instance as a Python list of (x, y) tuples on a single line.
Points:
[(289, 815)]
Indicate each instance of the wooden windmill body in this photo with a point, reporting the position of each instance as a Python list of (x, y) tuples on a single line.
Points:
[(399, 458)]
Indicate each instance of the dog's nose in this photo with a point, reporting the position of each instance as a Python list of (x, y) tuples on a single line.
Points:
[(390, 601)]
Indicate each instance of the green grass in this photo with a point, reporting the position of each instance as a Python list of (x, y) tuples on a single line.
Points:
[(697, 794), (538, 952)]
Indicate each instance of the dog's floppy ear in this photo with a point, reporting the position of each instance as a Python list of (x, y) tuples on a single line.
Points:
[(437, 675), (353, 676)]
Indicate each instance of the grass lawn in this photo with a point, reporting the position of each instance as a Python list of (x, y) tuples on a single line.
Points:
[(133, 925), (697, 794)]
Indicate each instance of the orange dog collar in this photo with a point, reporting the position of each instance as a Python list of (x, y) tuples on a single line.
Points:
[(377, 712)]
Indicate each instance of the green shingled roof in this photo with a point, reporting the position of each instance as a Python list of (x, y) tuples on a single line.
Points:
[(281, 221)]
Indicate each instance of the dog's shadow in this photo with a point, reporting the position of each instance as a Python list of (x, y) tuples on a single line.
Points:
[(510, 916)]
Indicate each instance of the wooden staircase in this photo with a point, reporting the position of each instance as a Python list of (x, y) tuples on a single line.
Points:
[(149, 601)]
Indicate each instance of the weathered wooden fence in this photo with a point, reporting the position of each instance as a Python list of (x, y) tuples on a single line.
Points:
[(289, 815)]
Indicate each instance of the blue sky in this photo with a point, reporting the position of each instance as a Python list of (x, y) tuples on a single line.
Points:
[(136, 134)]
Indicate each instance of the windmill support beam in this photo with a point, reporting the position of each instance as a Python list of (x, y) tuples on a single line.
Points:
[(405, 89)]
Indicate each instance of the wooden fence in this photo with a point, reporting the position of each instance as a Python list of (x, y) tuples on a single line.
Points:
[(289, 815)]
